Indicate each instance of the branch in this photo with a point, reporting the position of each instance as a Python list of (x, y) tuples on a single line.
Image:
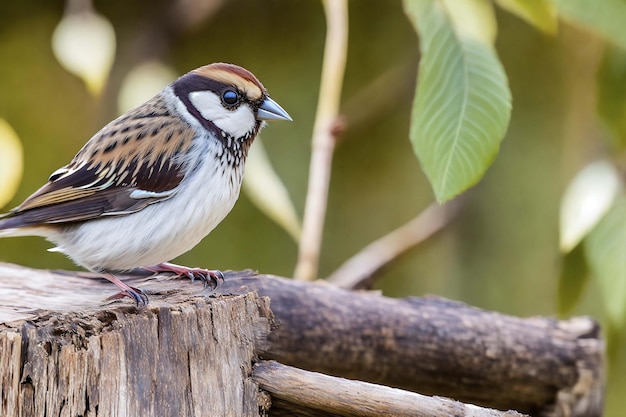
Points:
[(325, 131), (359, 271), (538, 365), (354, 398)]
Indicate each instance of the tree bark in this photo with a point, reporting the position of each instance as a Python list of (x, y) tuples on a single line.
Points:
[(181, 356), (539, 366)]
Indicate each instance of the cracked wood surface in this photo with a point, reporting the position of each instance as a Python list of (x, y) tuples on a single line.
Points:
[(538, 365), (184, 355)]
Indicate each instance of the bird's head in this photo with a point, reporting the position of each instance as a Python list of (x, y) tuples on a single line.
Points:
[(227, 100)]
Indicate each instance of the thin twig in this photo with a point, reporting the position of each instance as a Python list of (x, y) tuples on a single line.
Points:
[(324, 132), (359, 270)]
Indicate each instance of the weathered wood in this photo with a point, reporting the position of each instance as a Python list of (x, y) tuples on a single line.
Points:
[(344, 397), (184, 355), (539, 366)]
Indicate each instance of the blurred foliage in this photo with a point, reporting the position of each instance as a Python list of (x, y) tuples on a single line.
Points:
[(606, 251), (266, 190), (573, 280), (540, 13), (84, 44), (142, 83), (501, 253), (605, 18), (587, 198), (11, 162), (612, 94)]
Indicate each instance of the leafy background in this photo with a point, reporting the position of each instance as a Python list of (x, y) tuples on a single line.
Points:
[(500, 253)]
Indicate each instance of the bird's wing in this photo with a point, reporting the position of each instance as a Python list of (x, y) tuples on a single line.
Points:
[(132, 162)]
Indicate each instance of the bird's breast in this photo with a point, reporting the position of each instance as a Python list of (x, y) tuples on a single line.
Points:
[(167, 229), (211, 189)]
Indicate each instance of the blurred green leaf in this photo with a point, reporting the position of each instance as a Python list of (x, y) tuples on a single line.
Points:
[(605, 248), (474, 19), (84, 44), (612, 93), (539, 13), (462, 105), (11, 162), (266, 190), (573, 279), (605, 17), (142, 83), (586, 200)]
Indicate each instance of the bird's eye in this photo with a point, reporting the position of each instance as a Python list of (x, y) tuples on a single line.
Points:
[(230, 97)]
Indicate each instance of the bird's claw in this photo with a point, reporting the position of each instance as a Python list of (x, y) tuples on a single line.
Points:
[(211, 278), (137, 294)]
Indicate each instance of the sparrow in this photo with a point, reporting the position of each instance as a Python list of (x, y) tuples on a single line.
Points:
[(151, 184)]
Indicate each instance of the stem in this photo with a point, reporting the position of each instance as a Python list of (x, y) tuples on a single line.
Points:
[(359, 271), (324, 135)]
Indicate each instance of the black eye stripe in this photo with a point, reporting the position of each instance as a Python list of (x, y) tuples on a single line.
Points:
[(189, 83), (192, 82)]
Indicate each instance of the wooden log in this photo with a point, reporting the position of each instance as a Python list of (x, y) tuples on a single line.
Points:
[(338, 396), (539, 366), (184, 355)]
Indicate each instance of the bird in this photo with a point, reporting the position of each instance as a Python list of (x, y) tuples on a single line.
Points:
[(151, 184)]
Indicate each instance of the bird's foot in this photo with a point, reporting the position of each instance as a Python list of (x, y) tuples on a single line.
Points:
[(211, 278), (140, 297)]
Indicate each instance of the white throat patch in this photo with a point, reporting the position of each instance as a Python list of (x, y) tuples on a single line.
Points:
[(236, 122)]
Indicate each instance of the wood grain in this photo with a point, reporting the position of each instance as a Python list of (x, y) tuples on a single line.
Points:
[(190, 357), (344, 397), (538, 366)]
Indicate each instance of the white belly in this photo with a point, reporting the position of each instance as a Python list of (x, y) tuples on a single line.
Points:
[(161, 231)]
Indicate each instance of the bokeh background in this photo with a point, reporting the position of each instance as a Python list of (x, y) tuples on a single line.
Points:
[(500, 253)]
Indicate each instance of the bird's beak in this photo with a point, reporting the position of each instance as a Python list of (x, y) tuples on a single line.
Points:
[(270, 110)]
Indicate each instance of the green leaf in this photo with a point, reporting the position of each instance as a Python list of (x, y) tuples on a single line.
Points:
[(605, 17), (573, 279), (539, 13), (612, 94), (462, 105), (605, 248)]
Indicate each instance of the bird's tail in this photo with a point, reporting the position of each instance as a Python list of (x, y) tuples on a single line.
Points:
[(14, 224), (11, 226)]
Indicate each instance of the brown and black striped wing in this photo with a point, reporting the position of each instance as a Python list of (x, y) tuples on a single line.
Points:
[(135, 161), (89, 197)]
